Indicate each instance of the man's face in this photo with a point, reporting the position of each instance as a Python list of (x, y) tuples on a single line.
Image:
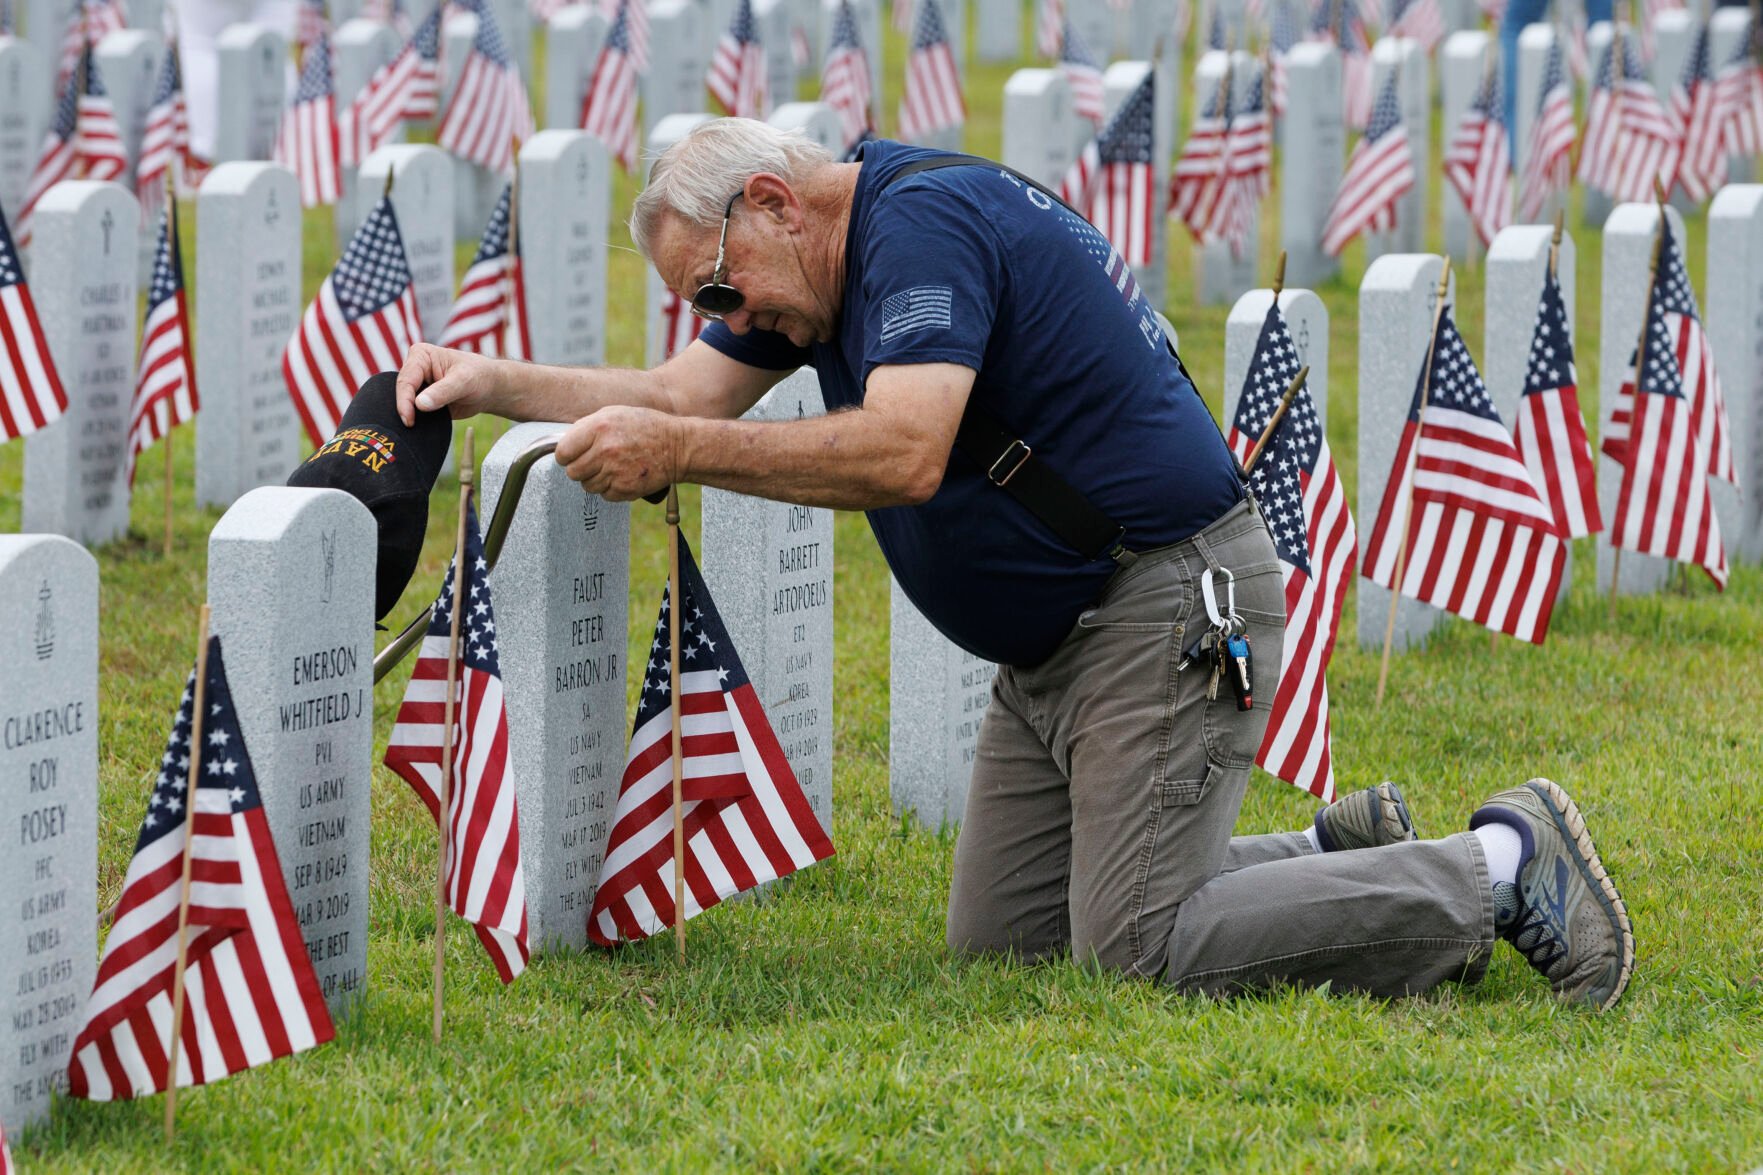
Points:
[(765, 258)]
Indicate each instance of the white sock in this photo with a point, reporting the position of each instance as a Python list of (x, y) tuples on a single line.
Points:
[(1310, 835), (1502, 846)]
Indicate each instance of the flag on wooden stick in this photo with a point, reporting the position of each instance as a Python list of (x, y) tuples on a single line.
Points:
[(308, 143), (931, 100), (83, 142), (489, 109), (1548, 162), (1550, 431), (1083, 73), (737, 70), (1379, 173), (1124, 203), (165, 379), (407, 87), (89, 22), (845, 84), (165, 137), (31, 394), (678, 324), (1699, 106), (746, 819), (489, 316), (1478, 163), (251, 995), (609, 108)]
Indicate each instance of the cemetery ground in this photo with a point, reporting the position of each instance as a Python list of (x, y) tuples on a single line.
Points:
[(825, 1024)]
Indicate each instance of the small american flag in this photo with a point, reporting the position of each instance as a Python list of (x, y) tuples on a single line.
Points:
[(308, 143), (845, 84), (637, 27), (1284, 32), (311, 25), (1548, 161), (679, 326), (1480, 541), (1551, 429), (31, 394), (1198, 181), (1741, 84), (1215, 29), (1305, 504), (1248, 169), (362, 322), (404, 88), (1379, 173), (1478, 163), (1668, 444), (83, 142), (489, 316), (932, 99), (1602, 121), (1647, 142), (1124, 201), (485, 884), (1078, 183), (1338, 23), (901, 14), (1419, 20), (89, 22), (1083, 73), (8, 28), (249, 990), (1699, 106), (489, 109), (609, 108), (737, 70), (746, 819), (165, 140), (165, 381), (1051, 27), (1692, 357)]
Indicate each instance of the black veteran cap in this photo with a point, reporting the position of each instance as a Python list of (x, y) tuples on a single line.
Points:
[(390, 469)]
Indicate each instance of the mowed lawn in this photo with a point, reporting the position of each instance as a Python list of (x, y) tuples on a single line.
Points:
[(826, 1026)]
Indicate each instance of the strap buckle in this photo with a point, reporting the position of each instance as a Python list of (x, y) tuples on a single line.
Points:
[(1010, 450)]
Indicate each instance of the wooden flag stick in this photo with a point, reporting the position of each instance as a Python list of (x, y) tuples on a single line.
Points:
[(511, 291), (1389, 631), (676, 601), (1640, 365), (467, 459), (1279, 414), (171, 228), (1279, 277), (197, 709)]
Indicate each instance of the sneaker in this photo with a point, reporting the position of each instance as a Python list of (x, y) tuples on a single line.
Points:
[(1365, 820), (1564, 915)]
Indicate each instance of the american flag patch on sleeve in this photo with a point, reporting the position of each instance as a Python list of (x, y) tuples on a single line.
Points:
[(919, 308)]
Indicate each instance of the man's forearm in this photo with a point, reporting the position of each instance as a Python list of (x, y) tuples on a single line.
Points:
[(531, 391), (844, 461)]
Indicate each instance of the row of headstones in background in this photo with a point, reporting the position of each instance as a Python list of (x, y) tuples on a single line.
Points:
[(1225, 275)]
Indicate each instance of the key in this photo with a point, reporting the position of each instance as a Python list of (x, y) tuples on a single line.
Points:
[(1240, 659), (1215, 651)]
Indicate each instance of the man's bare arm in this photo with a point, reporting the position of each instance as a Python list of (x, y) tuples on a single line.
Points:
[(892, 451)]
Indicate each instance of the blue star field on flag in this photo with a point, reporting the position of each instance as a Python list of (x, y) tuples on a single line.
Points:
[(928, 30), (372, 272), (704, 643), (1386, 115), (494, 242), (1551, 351), (1296, 444), (741, 27), (478, 646), (315, 73), (1128, 136), (1456, 383), (225, 762)]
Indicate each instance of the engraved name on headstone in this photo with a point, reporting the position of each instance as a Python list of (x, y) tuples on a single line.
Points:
[(1042, 132), (572, 45), (565, 197), (359, 48), (1733, 316), (24, 114), (1414, 96), (83, 279), (291, 582), (667, 132), (253, 86), (560, 592), (422, 196), (1307, 320), (49, 790), (248, 273), (769, 566), (1397, 301), (938, 692), (1463, 61), (1312, 159), (679, 56)]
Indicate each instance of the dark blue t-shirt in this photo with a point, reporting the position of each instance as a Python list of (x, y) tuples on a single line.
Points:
[(968, 265)]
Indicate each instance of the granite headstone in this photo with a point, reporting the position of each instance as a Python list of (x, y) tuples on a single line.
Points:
[(1307, 320), (772, 20), (1041, 129), (1312, 159), (818, 121), (679, 56), (1595, 206), (572, 46), (1534, 46), (291, 584), (937, 694), (49, 789), (1728, 30), (83, 264), (1674, 39), (1224, 272), (1733, 315), (24, 114), (1463, 63), (998, 30), (253, 63), (422, 196), (565, 196)]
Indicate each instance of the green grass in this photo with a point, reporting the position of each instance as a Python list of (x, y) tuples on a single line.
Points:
[(826, 1026)]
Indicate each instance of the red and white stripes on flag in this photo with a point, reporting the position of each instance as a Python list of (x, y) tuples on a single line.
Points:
[(489, 108), (31, 394), (679, 326), (489, 316), (746, 819), (609, 108), (1418, 20), (845, 84), (1083, 73), (1645, 142), (407, 87), (1548, 161), (1480, 541), (1740, 81), (1125, 204), (89, 22), (737, 69), (165, 137), (250, 995), (82, 143), (165, 379), (485, 884), (1050, 27), (363, 321), (1550, 430), (308, 143), (1197, 181), (931, 100), (1699, 106), (1305, 503), (1379, 173), (1478, 163), (637, 27)]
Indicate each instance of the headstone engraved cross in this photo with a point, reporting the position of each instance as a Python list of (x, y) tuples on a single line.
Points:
[(49, 790)]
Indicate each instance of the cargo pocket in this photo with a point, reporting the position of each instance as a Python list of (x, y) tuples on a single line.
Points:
[(1233, 736)]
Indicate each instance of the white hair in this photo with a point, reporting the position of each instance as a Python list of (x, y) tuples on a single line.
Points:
[(694, 178)]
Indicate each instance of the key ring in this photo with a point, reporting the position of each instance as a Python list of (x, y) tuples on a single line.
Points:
[(1228, 619)]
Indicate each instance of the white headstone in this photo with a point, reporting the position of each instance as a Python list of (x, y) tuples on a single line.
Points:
[(1463, 62), (83, 279), (1041, 129), (1397, 303), (816, 120), (1312, 159), (769, 567), (1733, 315), (1119, 81), (669, 131), (998, 31), (49, 789), (565, 195), (680, 40), (806, 15), (1307, 320), (515, 20), (1095, 23), (572, 46), (560, 593), (248, 278), (868, 15), (1225, 274), (937, 694), (1728, 30), (1674, 39), (1595, 205), (252, 89), (1414, 96), (147, 14), (128, 61), (422, 196), (44, 24), (291, 583), (772, 20), (360, 47), (24, 115), (475, 189), (1628, 252)]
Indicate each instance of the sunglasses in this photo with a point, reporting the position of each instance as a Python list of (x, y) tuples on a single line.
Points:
[(716, 299)]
